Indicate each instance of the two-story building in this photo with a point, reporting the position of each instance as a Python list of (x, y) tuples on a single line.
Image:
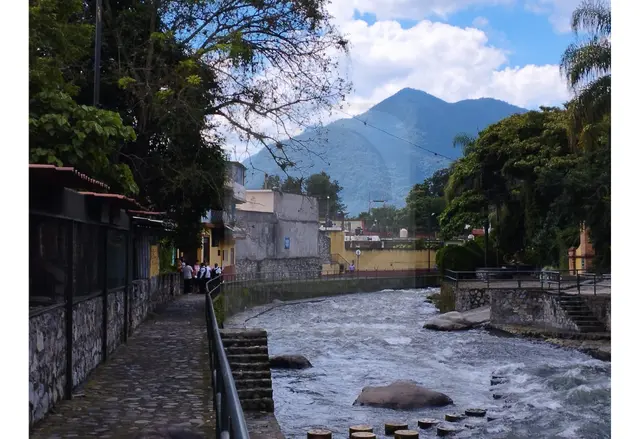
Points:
[(219, 226)]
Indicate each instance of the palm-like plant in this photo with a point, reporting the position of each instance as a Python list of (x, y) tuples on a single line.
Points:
[(586, 65)]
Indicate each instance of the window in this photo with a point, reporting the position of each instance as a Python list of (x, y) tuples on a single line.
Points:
[(224, 255)]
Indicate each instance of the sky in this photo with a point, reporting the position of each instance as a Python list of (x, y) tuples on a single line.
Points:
[(454, 50)]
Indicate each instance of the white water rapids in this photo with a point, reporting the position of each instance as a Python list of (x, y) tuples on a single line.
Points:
[(375, 338)]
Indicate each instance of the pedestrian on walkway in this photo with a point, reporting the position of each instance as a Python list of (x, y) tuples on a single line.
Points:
[(202, 280), (196, 267), (187, 275)]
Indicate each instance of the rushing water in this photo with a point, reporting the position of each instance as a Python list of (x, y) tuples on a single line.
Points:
[(375, 338)]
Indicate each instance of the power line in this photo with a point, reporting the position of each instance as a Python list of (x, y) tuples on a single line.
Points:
[(437, 154)]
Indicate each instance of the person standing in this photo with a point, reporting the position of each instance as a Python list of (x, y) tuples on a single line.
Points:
[(187, 275), (196, 267), (202, 281)]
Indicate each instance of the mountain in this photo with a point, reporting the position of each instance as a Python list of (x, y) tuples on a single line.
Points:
[(370, 155)]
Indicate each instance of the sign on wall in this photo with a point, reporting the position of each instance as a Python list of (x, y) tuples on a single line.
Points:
[(287, 243)]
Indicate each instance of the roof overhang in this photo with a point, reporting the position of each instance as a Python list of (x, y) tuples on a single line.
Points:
[(115, 199), (64, 176)]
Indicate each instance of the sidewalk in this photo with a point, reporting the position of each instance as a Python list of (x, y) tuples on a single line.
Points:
[(159, 379)]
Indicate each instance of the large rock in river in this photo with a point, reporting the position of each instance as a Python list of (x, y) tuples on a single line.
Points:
[(402, 395), (289, 362), (456, 321)]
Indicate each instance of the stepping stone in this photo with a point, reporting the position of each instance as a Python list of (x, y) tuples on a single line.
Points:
[(360, 429), (319, 434), (391, 427), (454, 417), (476, 413), (428, 423), (406, 434), (445, 430)]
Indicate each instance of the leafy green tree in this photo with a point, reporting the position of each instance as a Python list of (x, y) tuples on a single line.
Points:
[(327, 192), (586, 65), (292, 185), (271, 182), (62, 131)]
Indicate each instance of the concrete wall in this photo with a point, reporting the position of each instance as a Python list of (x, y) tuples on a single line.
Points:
[(294, 220), (532, 308), (258, 201), (382, 259), (241, 297), (48, 344)]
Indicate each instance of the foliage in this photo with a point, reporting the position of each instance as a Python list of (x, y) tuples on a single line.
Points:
[(62, 131), (586, 65), (466, 257), (327, 192)]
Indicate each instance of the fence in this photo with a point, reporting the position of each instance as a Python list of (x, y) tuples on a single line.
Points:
[(244, 280), (230, 421), (560, 281)]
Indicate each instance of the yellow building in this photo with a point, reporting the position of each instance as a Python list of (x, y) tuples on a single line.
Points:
[(376, 258), (219, 234), (581, 258)]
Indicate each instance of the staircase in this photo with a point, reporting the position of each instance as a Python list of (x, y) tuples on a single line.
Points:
[(248, 355), (579, 313)]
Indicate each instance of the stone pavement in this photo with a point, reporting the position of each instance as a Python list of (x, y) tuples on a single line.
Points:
[(159, 379)]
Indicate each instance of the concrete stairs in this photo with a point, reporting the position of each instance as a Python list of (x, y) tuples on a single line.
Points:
[(248, 355), (579, 313)]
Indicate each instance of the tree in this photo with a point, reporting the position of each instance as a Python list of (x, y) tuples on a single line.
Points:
[(586, 65), (61, 131), (271, 182), (292, 185), (327, 192), (425, 202)]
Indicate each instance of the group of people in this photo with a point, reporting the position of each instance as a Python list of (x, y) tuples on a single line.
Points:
[(199, 274)]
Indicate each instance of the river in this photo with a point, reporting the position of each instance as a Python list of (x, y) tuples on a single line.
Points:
[(376, 338)]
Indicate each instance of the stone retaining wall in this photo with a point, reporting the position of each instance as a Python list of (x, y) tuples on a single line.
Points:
[(600, 306), (471, 298), (48, 344), (47, 361), (531, 308), (239, 298)]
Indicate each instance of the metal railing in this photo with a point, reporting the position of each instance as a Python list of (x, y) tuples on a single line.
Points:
[(239, 281), (560, 281), (230, 421)]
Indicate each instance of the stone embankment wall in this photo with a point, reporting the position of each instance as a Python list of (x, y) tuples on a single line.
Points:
[(600, 307), (471, 298), (536, 309), (48, 344), (240, 297)]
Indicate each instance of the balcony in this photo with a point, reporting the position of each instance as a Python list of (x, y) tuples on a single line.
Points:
[(238, 190)]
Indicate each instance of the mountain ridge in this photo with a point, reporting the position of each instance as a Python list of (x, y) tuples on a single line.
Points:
[(383, 152)]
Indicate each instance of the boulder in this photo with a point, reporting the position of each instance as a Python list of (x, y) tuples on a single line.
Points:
[(289, 362), (402, 395), (457, 321)]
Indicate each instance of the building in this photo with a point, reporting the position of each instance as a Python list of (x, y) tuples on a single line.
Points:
[(581, 258), (280, 234), (220, 230)]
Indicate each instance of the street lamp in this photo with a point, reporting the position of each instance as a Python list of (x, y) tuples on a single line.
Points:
[(328, 197)]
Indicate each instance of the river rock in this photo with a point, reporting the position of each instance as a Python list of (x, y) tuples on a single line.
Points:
[(457, 321), (402, 395), (289, 362)]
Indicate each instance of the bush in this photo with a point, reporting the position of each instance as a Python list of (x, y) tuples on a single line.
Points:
[(445, 301)]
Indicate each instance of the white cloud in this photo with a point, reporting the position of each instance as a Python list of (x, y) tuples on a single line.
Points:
[(480, 22), (558, 11), (449, 62)]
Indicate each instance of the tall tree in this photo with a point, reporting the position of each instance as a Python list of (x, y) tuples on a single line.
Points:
[(586, 65), (327, 192), (61, 130)]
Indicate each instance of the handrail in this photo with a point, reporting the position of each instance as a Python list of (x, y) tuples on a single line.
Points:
[(230, 421)]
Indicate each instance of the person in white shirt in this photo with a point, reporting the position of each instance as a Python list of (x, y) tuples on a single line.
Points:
[(187, 275)]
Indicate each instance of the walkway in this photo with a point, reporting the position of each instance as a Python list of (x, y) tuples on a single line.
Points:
[(159, 379)]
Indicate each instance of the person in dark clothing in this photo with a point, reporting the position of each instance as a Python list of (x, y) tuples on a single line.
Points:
[(187, 275), (202, 278)]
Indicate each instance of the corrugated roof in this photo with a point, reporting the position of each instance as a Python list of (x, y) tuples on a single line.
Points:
[(67, 176)]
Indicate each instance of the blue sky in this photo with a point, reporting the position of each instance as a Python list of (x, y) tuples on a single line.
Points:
[(529, 37)]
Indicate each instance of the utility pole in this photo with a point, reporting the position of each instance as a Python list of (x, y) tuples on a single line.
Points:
[(97, 54)]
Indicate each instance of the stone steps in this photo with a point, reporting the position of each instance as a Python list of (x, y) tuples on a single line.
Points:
[(580, 314), (246, 350), (248, 355)]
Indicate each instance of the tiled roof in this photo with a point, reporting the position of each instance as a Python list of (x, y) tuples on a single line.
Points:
[(67, 176), (125, 202)]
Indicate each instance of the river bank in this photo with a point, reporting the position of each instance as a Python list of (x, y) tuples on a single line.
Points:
[(373, 339)]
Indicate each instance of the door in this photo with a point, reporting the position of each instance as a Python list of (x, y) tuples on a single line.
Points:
[(206, 250)]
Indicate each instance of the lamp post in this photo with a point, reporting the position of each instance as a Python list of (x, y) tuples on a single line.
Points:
[(328, 197), (97, 54)]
